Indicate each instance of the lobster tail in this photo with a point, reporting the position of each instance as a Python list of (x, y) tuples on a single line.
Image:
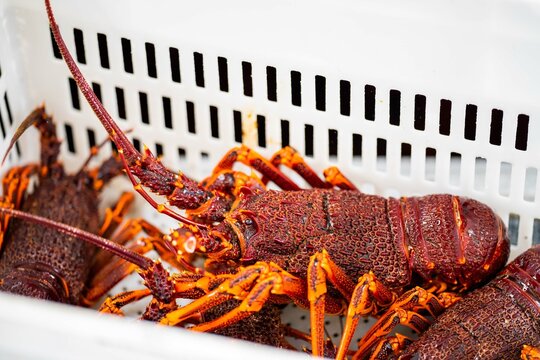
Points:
[(455, 239)]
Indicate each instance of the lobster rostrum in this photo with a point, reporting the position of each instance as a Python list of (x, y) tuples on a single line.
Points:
[(375, 252), (500, 320)]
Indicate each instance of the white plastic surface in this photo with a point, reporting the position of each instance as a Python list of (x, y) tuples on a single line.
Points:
[(483, 53)]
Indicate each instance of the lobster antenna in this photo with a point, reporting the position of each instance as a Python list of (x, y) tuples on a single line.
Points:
[(30, 120), (108, 245), (123, 144)]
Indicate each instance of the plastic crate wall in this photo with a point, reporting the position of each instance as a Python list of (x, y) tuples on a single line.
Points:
[(352, 84)]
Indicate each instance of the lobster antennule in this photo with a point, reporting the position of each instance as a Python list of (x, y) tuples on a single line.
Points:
[(180, 190), (126, 254)]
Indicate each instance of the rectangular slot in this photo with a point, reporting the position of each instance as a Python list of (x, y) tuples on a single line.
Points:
[(261, 130), (2, 126), (91, 135), (167, 112), (479, 173), (79, 46), (120, 103), (103, 51), (271, 83), (522, 132), (74, 91), (357, 149), (137, 144), (455, 168), (332, 143), (204, 155), (159, 150), (431, 162), (513, 228), (308, 139), (536, 232), (531, 177), (237, 117), (296, 88), (470, 122), (495, 132), (126, 55), (8, 108), (381, 154), (143, 101), (395, 107), (369, 102), (214, 122), (445, 117), (69, 138), (199, 69), (285, 135), (345, 97), (223, 71), (505, 176), (96, 88), (182, 153), (405, 168), (56, 50), (420, 112), (247, 78), (320, 93), (151, 59), (190, 113), (174, 58)]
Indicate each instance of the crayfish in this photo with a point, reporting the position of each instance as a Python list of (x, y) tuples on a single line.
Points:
[(496, 321), (43, 263), (408, 255)]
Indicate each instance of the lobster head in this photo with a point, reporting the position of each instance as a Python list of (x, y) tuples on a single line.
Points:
[(455, 239)]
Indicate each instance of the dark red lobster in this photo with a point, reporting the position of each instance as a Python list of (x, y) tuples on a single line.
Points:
[(497, 321), (372, 250), (43, 263)]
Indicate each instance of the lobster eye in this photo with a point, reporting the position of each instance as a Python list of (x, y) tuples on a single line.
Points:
[(248, 222)]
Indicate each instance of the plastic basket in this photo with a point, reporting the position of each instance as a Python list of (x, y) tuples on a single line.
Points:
[(406, 98)]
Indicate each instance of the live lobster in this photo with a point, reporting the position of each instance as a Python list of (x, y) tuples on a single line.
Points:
[(375, 252)]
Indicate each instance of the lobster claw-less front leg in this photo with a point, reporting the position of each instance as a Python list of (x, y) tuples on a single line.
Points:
[(403, 311), (530, 353)]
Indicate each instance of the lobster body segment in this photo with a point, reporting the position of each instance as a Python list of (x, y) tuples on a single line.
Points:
[(59, 256), (493, 322), (457, 240)]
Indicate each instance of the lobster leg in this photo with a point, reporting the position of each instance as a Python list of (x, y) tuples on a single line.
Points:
[(530, 353), (404, 311), (253, 284), (114, 305), (336, 178), (290, 158), (14, 184), (390, 346), (249, 157), (115, 215)]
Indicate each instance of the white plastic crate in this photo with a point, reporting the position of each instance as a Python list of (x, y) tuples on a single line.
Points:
[(360, 85)]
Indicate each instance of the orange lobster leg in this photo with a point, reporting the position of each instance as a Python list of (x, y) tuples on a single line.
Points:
[(253, 284), (391, 345), (530, 353), (114, 305), (290, 158), (335, 177), (249, 157), (114, 216), (14, 186), (368, 296), (320, 269), (404, 311)]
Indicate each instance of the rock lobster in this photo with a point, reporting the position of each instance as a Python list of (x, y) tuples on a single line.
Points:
[(43, 263), (288, 244), (496, 321)]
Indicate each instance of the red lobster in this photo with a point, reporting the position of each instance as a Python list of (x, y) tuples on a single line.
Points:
[(372, 250), (44, 264), (496, 321)]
